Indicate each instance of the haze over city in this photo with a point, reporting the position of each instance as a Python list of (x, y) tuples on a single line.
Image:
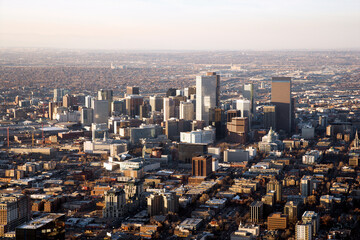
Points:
[(181, 24)]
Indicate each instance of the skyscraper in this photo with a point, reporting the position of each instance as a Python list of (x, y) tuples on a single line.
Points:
[(133, 103), (269, 117), (59, 93), (303, 231), (89, 101), (114, 203), (207, 95), (188, 91), (249, 93), (314, 219), (244, 105), (292, 210), (256, 211), (238, 129), (281, 98), (275, 186), (307, 185), (15, 210), (101, 110), (119, 107), (105, 94), (187, 110), (87, 116), (202, 165), (169, 108), (132, 91), (156, 103), (162, 203)]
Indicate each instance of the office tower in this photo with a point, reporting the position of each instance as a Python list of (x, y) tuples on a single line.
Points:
[(15, 210), (133, 103), (87, 116), (179, 92), (99, 131), (101, 111), (249, 93), (323, 121), (107, 95), (269, 117), (189, 150), (118, 107), (238, 129), (303, 231), (89, 101), (115, 203), (169, 108), (156, 103), (80, 99), (277, 221), (217, 121), (154, 204), (50, 226), (307, 185), (256, 211), (314, 219), (243, 105), (171, 92), (145, 109), (231, 114), (104, 94), (188, 91), (68, 100), (202, 165), (187, 110), (177, 100), (173, 128), (275, 186), (52, 109), (171, 202), (269, 198), (132, 91), (281, 98), (59, 93), (292, 210), (207, 95), (162, 202)]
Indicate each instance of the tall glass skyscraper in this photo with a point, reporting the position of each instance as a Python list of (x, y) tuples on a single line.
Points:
[(207, 95)]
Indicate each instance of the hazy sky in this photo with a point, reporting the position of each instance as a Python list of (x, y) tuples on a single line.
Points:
[(181, 24)]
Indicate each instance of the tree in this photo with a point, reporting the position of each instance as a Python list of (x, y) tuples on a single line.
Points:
[(204, 198)]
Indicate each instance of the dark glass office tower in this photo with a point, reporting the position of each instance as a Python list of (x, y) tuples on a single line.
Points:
[(281, 98)]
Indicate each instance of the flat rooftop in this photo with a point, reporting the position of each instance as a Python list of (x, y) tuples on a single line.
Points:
[(39, 222)]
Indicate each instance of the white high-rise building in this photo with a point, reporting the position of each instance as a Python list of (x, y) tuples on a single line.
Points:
[(187, 110), (249, 93), (303, 231), (169, 108), (314, 219), (243, 105), (89, 101), (207, 95)]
